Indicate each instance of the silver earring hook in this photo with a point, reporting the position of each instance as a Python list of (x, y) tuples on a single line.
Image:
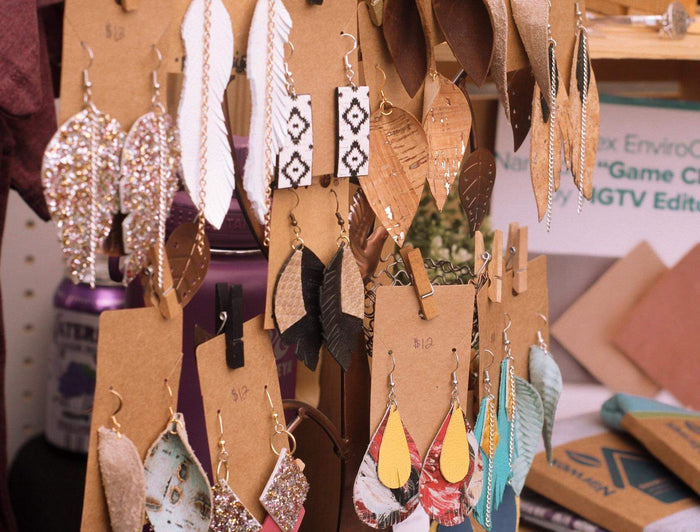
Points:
[(87, 48), (349, 72), (291, 89), (540, 338), (487, 377), (506, 340), (155, 99), (158, 55), (391, 400), (87, 84)]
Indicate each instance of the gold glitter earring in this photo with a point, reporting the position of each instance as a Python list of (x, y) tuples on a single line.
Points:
[(80, 174), (150, 162), (229, 513), (285, 492)]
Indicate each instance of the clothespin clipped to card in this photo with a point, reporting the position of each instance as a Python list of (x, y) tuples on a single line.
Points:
[(496, 267), (413, 262), (129, 5), (166, 299), (229, 320), (517, 253)]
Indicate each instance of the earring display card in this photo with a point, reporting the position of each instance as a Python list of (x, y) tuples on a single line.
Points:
[(137, 350), (315, 213), (424, 358), (352, 131), (295, 158), (522, 309), (592, 345), (240, 396)]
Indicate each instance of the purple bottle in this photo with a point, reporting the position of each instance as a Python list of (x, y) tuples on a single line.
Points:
[(71, 382)]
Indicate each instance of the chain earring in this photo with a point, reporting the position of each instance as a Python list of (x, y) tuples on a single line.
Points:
[(295, 158), (122, 474), (386, 488), (585, 113), (150, 161), (177, 491), (449, 464), (80, 174), (285, 492), (296, 298), (229, 513), (342, 298), (352, 123)]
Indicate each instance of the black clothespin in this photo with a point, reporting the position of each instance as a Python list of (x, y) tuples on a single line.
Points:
[(229, 320)]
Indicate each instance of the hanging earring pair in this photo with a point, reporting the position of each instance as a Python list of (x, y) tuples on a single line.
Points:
[(122, 475), (286, 490), (177, 491), (352, 123), (449, 465), (386, 488), (150, 162), (80, 174), (229, 513)]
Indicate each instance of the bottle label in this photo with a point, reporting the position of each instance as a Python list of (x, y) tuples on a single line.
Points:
[(71, 383)]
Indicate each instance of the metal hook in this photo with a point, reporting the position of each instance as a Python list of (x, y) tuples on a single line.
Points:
[(223, 316), (393, 368), (87, 48), (493, 359), (170, 406), (506, 340), (384, 104), (291, 50), (269, 398), (221, 424), (454, 350), (349, 72), (158, 55), (119, 397), (540, 338), (291, 89), (486, 257), (381, 90)]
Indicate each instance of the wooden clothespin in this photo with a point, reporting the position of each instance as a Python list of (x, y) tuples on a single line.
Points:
[(166, 299), (413, 262), (229, 320), (495, 268), (520, 262), (129, 5), (512, 245)]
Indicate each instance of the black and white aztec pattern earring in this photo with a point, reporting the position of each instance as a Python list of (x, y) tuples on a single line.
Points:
[(352, 124)]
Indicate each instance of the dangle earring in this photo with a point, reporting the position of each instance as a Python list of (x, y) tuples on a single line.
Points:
[(487, 434), (352, 123), (296, 298), (285, 492), (150, 162), (342, 298), (584, 109), (229, 513), (550, 129), (122, 475), (295, 158), (449, 465), (80, 174), (178, 494), (386, 488), (545, 377)]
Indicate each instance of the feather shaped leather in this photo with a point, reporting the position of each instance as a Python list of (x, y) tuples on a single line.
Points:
[(342, 306), (220, 179), (296, 308), (405, 38), (546, 379), (528, 426), (266, 99)]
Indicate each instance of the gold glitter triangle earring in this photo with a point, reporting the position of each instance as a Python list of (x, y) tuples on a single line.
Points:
[(80, 174), (229, 513), (285, 492), (150, 161)]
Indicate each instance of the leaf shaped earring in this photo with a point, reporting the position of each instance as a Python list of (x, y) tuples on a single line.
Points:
[(148, 180), (449, 465), (545, 377), (399, 168), (296, 307), (229, 513), (285, 492), (584, 111), (80, 174), (528, 427), (177, 491), (122, 475), (446, 120), (342, 299), (385, 492)]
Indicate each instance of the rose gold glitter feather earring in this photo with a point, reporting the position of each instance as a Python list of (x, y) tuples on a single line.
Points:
[(80, 174), (150, 162)]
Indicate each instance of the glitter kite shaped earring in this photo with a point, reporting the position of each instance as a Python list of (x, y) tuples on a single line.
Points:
[(285, 492), (80, 174), (178, 495), (150, 162), (229, 513), (122, 475), (352, 123), (385, 492), (449, 465)]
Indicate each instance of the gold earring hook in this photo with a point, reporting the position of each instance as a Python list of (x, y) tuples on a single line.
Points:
[(279, 428), (343, 239), (297, 241), (384, 104), (116, 426), (223, 453)]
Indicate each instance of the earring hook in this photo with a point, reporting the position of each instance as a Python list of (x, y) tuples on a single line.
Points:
[(349, 72), (384, 104), (223, 453), (540, 338), (87, 48), (392, 384), (291, 89), (487, 377), (116, 426), (155, 48), (297, 241)]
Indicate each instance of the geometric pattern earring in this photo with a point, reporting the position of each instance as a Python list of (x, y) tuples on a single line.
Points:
[(229, 513), (148, 180), (80, 174)]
